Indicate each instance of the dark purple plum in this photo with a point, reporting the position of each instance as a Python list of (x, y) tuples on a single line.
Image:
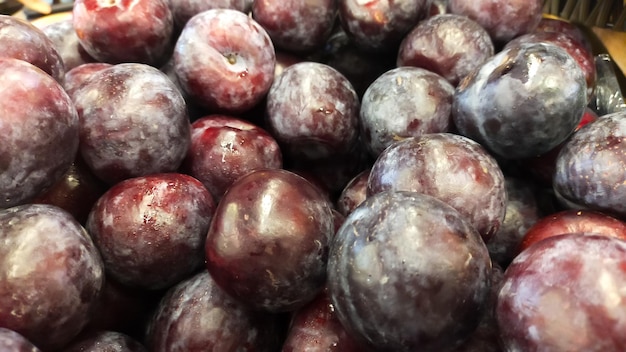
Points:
[(196, 315), (449, 45), (183, 10), (224, 61), (565, 293), (449, 167), (590, 169), (295, 25), (407, 272), (503, 19), (51, 274), (150, 230), (105, 341), (65, 40), (20, 39), (128, 30), (404, 102), (224, 148), (11, 341), (133, 122), (523, 101), (39, 127), (379, 25), (268, 242), (354, 193), (312, 110)]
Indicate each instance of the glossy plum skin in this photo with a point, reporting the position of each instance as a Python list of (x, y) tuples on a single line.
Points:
[(22, 40), (11, 341), (504, 20), (312, 110), (224, 148), (133, 122), (39, 134), (50, 274), (296, 26), (590, 168), (106, 341), (449, 45), (379, 26), (526, 116), (197, 316), (283, 224), (564, 294), (404, 102), (354, 193), (128, 31), (217, 68), (65, 40), (315, 327), (150, 229), (573, 221), (449, 167), (407, 272), (183, 10)]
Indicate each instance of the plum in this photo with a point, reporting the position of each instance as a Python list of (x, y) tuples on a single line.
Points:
[(354, 193), (39, 126), (407, 272), (224, 61), (267, 245), (79, 75), (151, 229), (183, 10), (449, 167), (105, 341), (404, 102), (51, 274), (523, 101), (11, 341), (128, 31), (65, 40)]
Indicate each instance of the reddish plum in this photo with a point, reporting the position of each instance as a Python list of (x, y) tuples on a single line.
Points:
[(224, 148), (79, 75), (503, 19), (151, 229), (39, 127), (294, 25), (127, 31), (449, 45), (51, 274), (133, 122), (11, 341), (65, 40), (224, 60), (559, 25), (404, 102), (312, 110), (20, 39), (407, 272), (105, 341), (354, 193), (523, 101), (197, 316), (449, 167), (183, 10), (268, 242), (565, 294)]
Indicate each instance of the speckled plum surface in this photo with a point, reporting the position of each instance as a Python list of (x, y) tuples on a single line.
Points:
[(105, 341), (65, 40), (11, 341)]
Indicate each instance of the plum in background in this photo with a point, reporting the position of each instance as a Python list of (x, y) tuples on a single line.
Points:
[(51, 274), (312, 111), (105, 341), (11, 341), (404, 102), (183, 10), (295, 25), (150, 230), (449, 45), (127, 31), (354, 193), (224, 61), (565, 293), (590, 169), (449, 167), (21, 40), (503, 19), (39, 126), (79, 75), (407, 272), (267, 245), (133, 122), (224, 148), (523, 101), (65, 40), (197, 316)]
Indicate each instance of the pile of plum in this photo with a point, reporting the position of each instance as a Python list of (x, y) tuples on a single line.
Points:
[(320, 175)]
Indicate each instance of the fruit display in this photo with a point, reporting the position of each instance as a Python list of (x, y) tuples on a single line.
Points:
[(320, 175)]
